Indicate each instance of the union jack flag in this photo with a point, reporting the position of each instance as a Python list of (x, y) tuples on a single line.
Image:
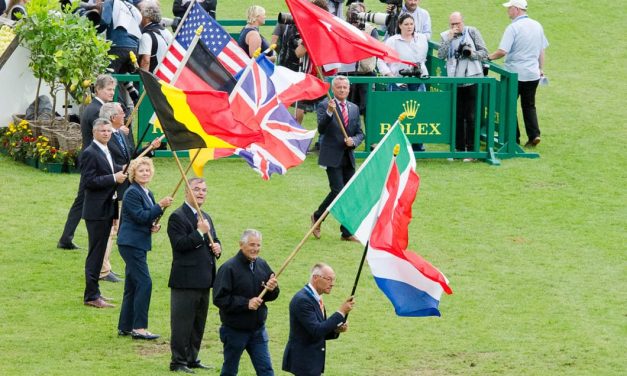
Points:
[(214, 37), (286, 142)]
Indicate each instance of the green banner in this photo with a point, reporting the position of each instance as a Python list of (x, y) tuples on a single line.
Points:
[(428, 115)]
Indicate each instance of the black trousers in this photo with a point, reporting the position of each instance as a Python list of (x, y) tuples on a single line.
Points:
[(527, 94), (74, 215), (465, 119), (338, 177), (98, 233), (188, 315)]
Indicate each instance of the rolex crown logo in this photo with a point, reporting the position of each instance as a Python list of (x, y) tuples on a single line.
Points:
[(411, 108)]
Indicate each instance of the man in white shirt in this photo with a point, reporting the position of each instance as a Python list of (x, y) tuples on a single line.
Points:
[(155, 38), (523, 45)]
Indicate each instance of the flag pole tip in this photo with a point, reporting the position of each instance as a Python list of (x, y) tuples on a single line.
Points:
[(199, 30), (397, 149), (257, 52), (273, 46), (402, 116)]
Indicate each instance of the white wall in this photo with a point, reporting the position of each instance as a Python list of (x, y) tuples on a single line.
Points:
[(18, 87)]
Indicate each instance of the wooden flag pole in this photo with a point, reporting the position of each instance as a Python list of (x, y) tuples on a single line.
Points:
[(198, 212), (191, 163), (296, 250), (337, 115)]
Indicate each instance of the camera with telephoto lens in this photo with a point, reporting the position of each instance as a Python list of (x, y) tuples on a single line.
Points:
[(285, 19), (173, 22), (464, 50), (375, 18), (410, 72)]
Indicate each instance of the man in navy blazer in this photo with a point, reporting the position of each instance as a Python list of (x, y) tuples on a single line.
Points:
[(309, 326), (105, 90), (192, 275), (101, 176), (336, 151)]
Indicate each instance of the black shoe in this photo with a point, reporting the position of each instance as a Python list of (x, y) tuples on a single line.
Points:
[(181, 369), (115, 274), (124, 333), (146, 336), (200, 366), (69, 246), (111, 278)]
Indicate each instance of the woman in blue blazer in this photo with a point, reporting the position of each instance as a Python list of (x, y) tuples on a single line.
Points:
[(139, 211)]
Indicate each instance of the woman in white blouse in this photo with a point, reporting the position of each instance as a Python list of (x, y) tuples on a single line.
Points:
[(411, 46)]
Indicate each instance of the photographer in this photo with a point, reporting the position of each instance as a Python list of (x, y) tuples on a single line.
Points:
[(410, 46), (155, 38), (464, 49), (293, 55), (366, 67), (422, 19)]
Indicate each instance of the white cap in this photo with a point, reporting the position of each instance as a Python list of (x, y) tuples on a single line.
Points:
[(520, 4)]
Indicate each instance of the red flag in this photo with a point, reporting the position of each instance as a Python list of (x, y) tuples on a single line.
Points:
[(330, 40)]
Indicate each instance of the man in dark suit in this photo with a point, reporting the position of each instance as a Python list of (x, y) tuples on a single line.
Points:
[(100, 176), (309, 326), (105, 90), (192, 275), (336, 150)]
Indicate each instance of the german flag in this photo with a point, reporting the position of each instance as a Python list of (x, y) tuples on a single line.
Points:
[(197, 119), (201, 72)]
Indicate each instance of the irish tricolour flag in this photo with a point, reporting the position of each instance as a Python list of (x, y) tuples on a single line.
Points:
[(376, 207)]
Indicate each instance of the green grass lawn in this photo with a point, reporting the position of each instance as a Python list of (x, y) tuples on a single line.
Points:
[(534, 249)]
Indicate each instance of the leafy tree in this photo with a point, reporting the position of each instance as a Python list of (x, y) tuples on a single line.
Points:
[(66, 51)]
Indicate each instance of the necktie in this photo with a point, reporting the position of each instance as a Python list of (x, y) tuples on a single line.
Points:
[(252, 266), (121, 142), (344, 114), (321, 304)]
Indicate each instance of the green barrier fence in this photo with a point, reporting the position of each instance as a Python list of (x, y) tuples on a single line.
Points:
[(431, 114)]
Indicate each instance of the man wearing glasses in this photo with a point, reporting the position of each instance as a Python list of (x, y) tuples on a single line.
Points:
[(309, 326), (193, 272)]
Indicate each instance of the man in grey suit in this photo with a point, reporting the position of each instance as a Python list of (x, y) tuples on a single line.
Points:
[(336, 150)]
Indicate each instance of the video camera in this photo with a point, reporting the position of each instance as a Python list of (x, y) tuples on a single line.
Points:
[(285, 19)]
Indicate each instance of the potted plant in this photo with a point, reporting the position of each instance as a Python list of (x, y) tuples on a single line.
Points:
[(70, 162), (66, 51), (50, 159), (16, 138)]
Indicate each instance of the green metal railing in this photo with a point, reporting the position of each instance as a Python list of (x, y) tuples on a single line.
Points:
[(496, 111)]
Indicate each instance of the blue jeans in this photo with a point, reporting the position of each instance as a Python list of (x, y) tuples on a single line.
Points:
[(255, 342)]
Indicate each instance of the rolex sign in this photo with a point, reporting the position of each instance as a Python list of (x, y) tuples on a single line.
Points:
[(428, 115)]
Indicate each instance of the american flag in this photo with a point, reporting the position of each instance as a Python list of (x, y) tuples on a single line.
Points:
[(254, 101), (214, 37)]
